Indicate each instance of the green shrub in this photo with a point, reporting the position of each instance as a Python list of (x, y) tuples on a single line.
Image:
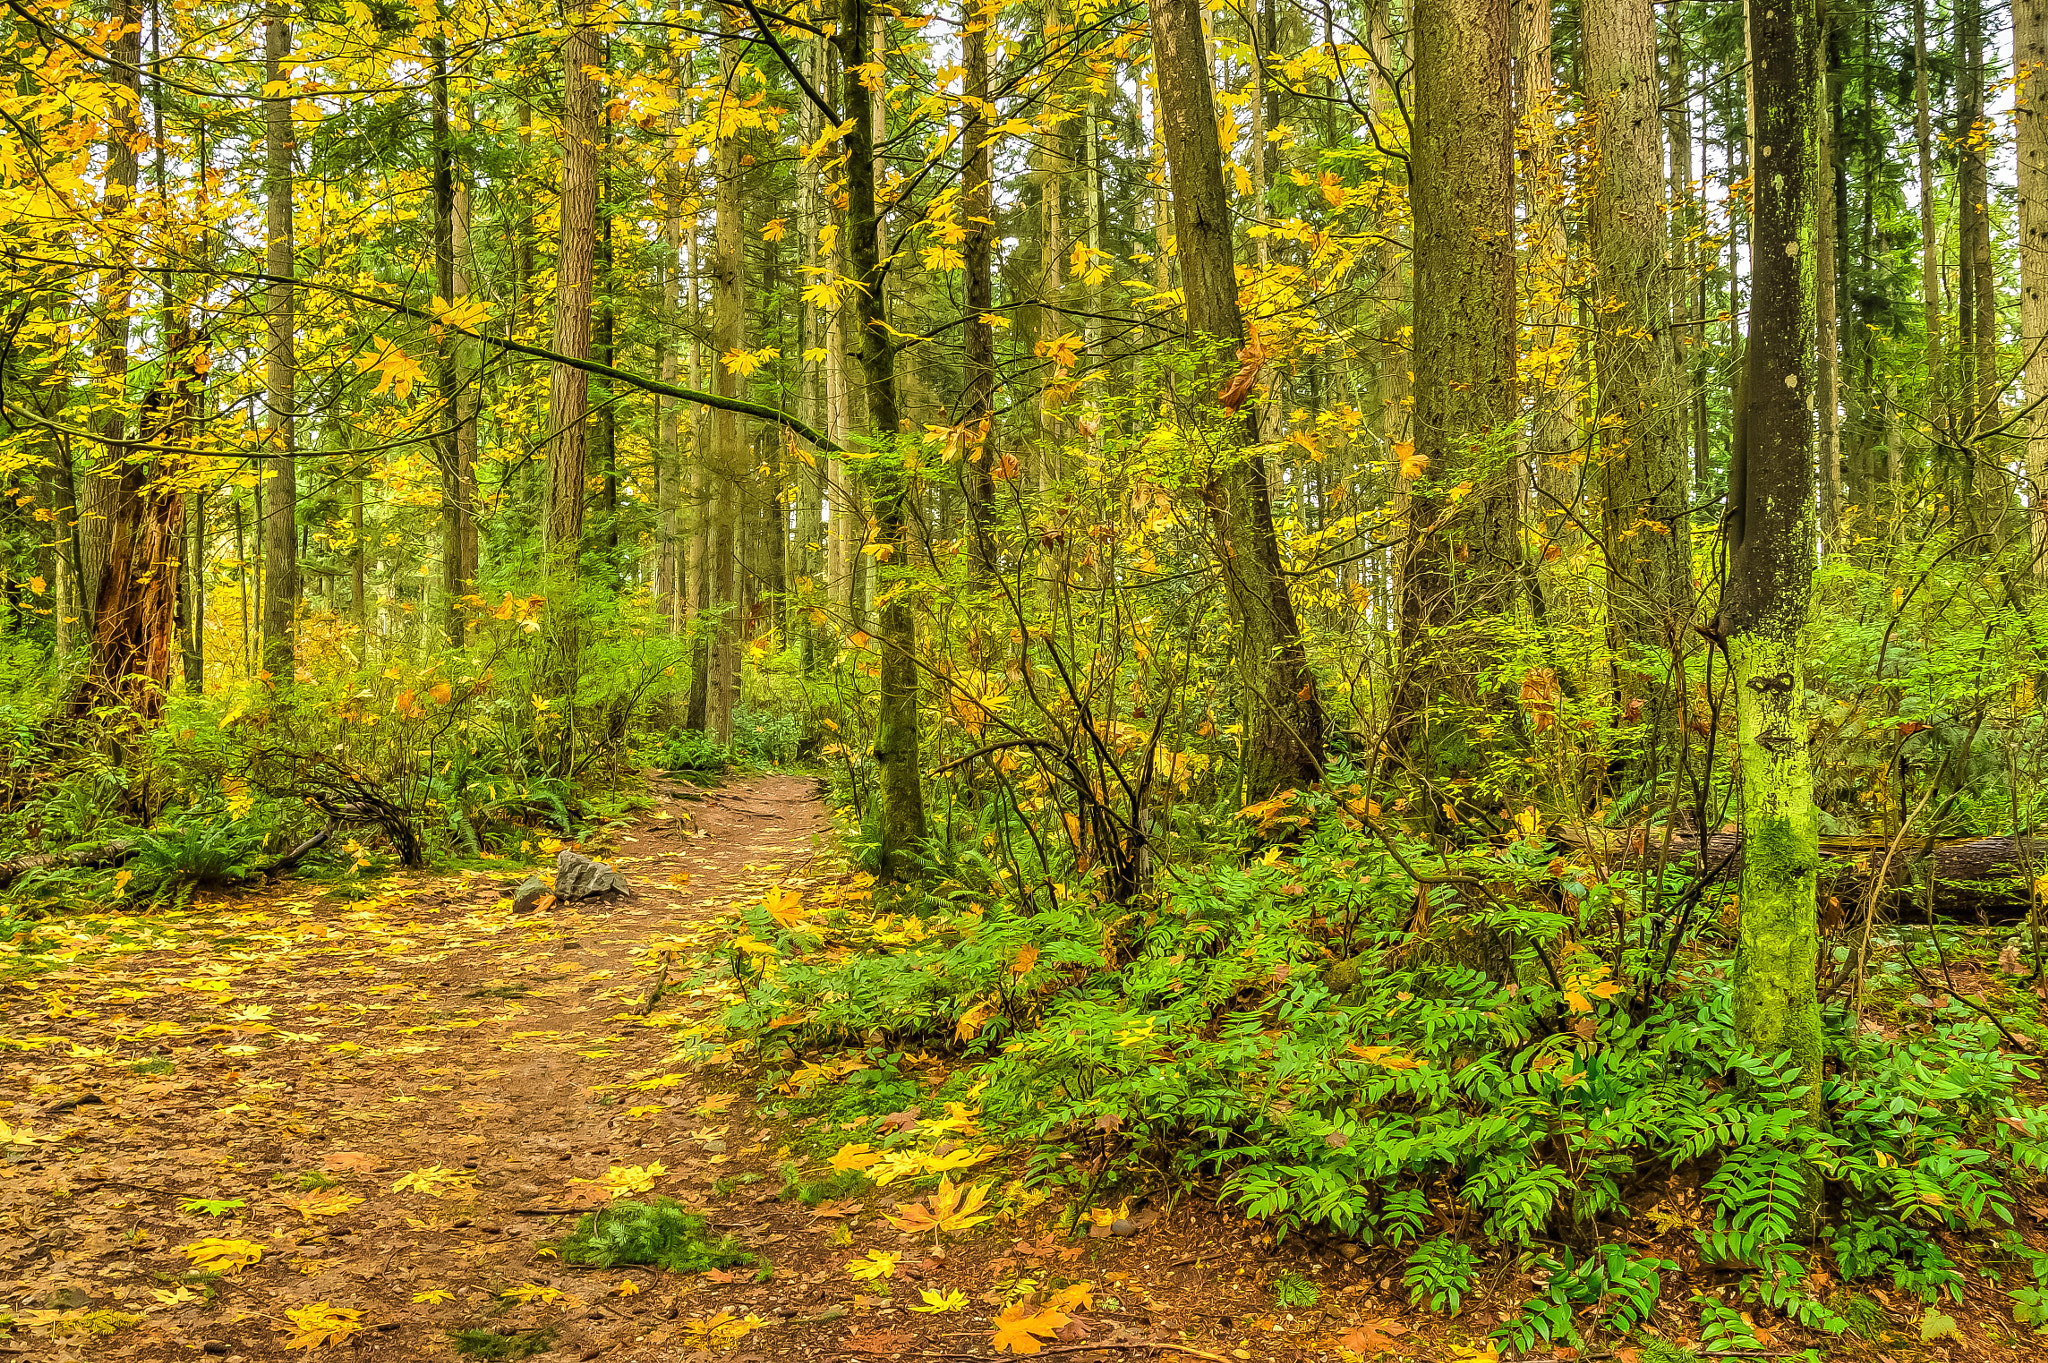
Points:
[(659, 1233)]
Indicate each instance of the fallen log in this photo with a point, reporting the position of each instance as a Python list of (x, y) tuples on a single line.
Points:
[(1973, 877), (110, 853)]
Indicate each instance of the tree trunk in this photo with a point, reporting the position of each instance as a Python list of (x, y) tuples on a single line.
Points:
[(977, 470), (728, 465), (1282, 711), (447, 376), (1462, 554), (1934, 400), (1828, 245), (1641, 403), (1554, 450), (2030, 117), (569, 389), (95, 518), (897, 746), (1771, 543), (280, 490), (135, 617), (1988, 495), (669, 437)]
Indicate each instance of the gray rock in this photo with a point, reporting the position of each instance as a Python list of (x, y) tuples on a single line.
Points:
[(578, 877), (528, 896)]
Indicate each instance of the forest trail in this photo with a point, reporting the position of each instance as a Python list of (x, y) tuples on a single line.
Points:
[(391, 1098), (397, 1094)]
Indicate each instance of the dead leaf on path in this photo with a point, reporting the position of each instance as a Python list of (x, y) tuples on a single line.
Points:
[(877, 1342), (1374, 1336), (320, 1202), (826, 1211), (1023, 1329), (351, 1162)]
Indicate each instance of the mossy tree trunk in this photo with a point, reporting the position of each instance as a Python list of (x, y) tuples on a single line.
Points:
[(1771, 547)]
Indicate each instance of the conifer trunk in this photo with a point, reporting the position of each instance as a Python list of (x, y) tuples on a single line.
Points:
[(896, 749), (2030, 117), (1771, 543), (978, 205), (728, 463), (1282, 710), (280, 488), (1462, 555), (569, 389), (1640, 404)]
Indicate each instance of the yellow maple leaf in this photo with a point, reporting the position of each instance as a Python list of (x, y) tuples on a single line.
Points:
[(320, 1325), (950, 1208), (1072, 1297), (396, 373), (217, 1255), (1411, 464), (740, 362), (775, 229), (1018, 1329), (721, 1330), (627, 1178), (937, 1302), (785, 906), (434, 1181), (879, 1264), (433, 1296), (320, 1202)]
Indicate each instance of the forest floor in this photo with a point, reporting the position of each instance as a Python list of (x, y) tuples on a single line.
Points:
[(350, 1119)]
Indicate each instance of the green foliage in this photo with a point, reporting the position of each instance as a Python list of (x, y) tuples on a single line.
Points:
[(1524, 1065), (1611, 1289), (1440, 1273), (660, 1233), (206, 850), (1292, 1292), (478, 1342), (762, 736), (690, 750)]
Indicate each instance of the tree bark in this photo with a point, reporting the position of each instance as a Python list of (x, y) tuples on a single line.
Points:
[(976, 469), (447, 376), (1987, 493), (728, 466), (1282, 709), (569, 389), (897, 745), (1934, 398), (668, 455), (1828, 365), (2030, 117), (1462, 553), (95, 517), (1771, 544), (280, 490), (1641, 403), (135, 616)]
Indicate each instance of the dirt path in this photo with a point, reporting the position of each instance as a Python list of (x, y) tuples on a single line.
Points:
[(263, 1070), (398, 1095)]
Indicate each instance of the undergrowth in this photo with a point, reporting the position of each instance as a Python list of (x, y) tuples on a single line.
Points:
[(659, 1233), (1509, 1061)]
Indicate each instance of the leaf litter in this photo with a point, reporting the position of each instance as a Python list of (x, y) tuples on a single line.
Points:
[(410, 1125)]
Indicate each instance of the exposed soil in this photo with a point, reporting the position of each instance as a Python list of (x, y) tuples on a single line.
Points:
[(401, 1098)]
